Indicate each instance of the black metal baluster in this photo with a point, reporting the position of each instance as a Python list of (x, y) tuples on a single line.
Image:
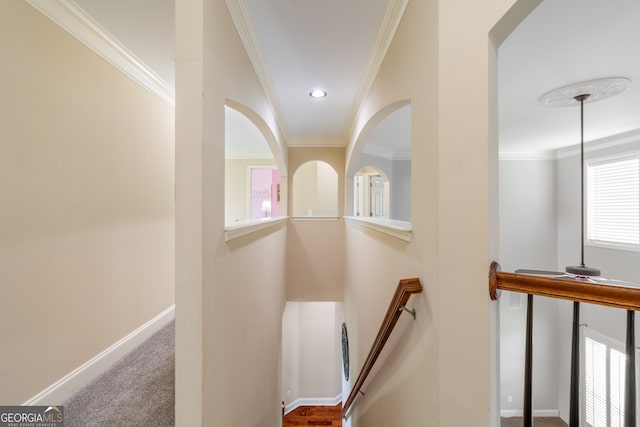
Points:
[(528, 366), (630, 380), (574, 408)]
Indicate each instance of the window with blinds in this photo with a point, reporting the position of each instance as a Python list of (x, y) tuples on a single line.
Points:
[(604, 374), (613, 202)]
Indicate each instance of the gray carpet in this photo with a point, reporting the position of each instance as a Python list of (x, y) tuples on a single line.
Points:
[(139, 390), (537, 422)]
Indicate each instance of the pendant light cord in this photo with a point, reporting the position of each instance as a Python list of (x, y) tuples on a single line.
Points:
[(581, 99)]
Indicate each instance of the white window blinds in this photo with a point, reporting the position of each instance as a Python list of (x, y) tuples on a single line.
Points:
[(613, 201), (595, 383), (604, 378)]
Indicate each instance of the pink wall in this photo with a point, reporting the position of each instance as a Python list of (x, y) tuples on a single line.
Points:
[(264, 186), (275, 197)]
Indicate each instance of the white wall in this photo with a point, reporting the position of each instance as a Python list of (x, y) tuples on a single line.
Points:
[(319, 367), (528, 240), (311, 352), (291, 334), (401, 190)]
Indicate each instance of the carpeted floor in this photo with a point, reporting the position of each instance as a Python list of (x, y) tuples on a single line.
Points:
[(138, 390), (537, 422)]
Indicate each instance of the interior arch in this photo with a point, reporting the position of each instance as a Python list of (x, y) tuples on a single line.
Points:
[(252, 173), (315, 190), (265, 130), (366, 131), (385, 143)]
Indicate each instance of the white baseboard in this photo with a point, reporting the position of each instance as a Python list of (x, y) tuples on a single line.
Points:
[(313, 401), (64, 387), (508, 413)]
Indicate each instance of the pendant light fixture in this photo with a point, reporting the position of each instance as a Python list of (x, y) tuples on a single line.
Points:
[(589, 91), (580, 93), (582, 269)]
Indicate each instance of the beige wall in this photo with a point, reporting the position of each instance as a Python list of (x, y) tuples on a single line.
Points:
[(443, 368), (332, 156), (229, 295), (315, 190), (304, 189), (315, 247), (327, 190), (87, 173)]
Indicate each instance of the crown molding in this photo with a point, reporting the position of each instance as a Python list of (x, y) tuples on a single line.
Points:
[(71, 18), (402, 155), (242, 20), (612, 141), (316, 141), (537, 155), (385, 153), (602, 143), (390, 22)]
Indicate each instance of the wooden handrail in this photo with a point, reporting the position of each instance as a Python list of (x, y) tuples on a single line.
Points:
[(405, 289), (612, 295), (608, 294)]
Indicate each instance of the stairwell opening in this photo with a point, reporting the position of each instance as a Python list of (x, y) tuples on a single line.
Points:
[(311, 354)]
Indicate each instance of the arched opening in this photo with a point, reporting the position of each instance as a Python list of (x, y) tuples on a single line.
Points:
[(385, 144), (252, 177), (315, 190)]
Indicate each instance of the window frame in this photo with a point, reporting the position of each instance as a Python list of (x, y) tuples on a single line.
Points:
[(589, 164)]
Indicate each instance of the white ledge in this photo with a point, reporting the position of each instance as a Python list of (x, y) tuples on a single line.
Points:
[(316, 218), (251, 226), (392, 227)]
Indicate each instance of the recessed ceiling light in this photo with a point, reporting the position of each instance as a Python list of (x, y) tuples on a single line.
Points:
[(317, 93)]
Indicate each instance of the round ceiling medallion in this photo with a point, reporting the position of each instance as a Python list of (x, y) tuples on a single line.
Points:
[(597, 89)]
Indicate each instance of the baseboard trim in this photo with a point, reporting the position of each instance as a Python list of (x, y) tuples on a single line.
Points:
[(313, 401), (64, 387), (508, 413)]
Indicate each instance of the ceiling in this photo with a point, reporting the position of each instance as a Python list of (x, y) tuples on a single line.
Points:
[(560, 43), (333, 44)]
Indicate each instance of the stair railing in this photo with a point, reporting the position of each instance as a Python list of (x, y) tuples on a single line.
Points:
[(406, 288), (612, 295)]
